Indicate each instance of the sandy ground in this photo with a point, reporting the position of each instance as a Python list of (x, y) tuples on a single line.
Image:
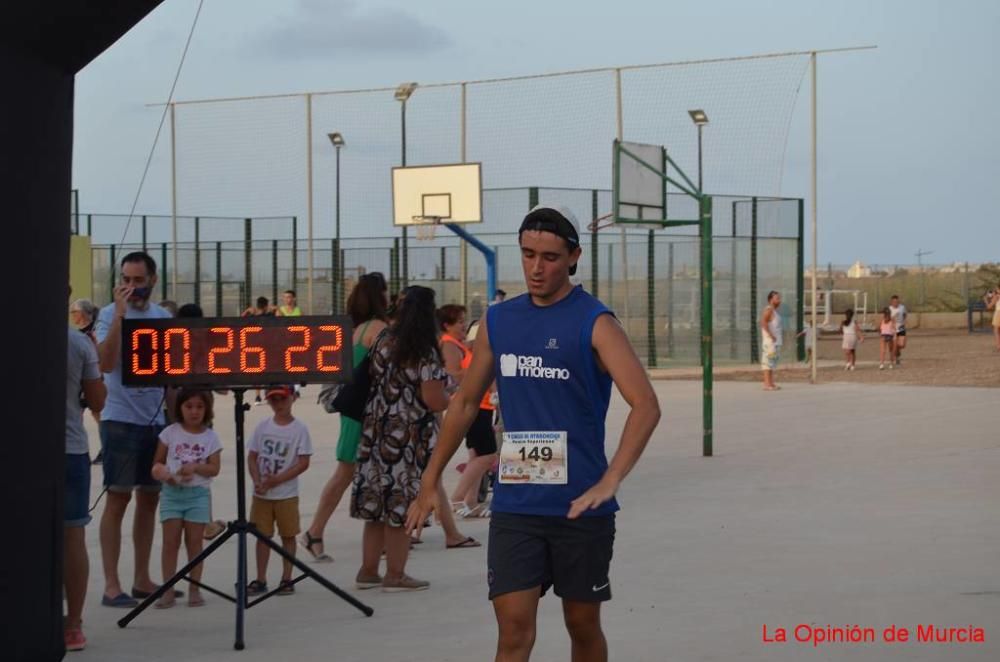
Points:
[(833, 504), (930, 359)]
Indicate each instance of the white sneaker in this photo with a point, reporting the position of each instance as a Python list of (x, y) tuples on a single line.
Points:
[(847, 366), (881, 366), (852, 367)]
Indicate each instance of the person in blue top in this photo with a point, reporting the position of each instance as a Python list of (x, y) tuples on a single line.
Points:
[(554, 353)]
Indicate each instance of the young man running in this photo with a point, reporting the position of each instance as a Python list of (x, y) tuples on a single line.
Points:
[(554, 353)]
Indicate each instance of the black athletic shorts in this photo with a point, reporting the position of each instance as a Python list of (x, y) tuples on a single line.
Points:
[(480, 437), (901, 332), (572, 556)]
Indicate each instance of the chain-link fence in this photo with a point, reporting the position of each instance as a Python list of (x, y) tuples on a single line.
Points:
[(648, 277)]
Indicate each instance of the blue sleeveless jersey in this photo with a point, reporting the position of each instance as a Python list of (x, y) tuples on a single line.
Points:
[(548, 380)]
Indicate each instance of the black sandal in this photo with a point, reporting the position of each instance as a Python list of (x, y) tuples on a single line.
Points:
[(307, 542)]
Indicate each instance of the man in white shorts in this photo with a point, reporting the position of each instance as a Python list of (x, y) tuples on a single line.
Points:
[(770, 333)]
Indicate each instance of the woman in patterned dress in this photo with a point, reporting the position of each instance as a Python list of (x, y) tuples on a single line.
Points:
[(399, 431)]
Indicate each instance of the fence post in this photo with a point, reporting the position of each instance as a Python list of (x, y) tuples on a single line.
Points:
[(295, 254), (90, 225), (800, 345), (197, 260), (441, 271), (754, 352), (670, 300), (733, 325), (394, 267), (247, 261), (594, 271), (651, 300), (111, 271), (144, 249), (274, 272), (163, 258), (532, 197), (218, 279), (611, 272)]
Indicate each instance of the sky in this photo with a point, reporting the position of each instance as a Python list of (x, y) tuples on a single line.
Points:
[(907, 133)]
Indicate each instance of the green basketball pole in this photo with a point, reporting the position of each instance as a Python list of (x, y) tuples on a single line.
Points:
[(705, 235)]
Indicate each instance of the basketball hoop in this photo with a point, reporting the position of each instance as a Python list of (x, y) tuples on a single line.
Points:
[(426, 227), (600, 223)]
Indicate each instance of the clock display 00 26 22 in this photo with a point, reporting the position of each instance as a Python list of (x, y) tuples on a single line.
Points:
[(236, 351)]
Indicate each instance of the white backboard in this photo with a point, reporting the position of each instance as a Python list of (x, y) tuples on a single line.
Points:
[(641, 193), (452, 191)]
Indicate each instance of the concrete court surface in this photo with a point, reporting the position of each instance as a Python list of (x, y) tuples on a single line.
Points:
[(837, 504)]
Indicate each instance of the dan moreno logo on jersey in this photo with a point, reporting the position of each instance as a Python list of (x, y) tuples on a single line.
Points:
[(515, 365)]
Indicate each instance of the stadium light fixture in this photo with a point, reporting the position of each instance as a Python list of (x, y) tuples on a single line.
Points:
[(698, 117), (336, 139), (404, 91)]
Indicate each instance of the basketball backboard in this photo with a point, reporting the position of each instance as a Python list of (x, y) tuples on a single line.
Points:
[(448, 193), (639, 183)]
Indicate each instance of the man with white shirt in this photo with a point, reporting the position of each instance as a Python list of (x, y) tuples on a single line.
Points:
[(130, 427)]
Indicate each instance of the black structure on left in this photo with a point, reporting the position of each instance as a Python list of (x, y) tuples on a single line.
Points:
[(42, 47)]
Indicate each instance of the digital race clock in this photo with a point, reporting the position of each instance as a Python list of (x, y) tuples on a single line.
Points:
[(236, 351)]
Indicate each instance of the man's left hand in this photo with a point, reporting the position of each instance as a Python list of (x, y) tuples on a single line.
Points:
[(599, 494)]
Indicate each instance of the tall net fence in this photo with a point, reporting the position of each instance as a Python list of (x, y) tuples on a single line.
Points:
[(540, 139)]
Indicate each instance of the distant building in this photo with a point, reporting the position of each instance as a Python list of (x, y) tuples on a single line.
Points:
[(858, 270)]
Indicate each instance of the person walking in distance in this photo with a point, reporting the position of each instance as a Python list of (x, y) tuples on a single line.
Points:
[(554, 353), (770, 333), (852, 336), (898, 311), (887, 347)]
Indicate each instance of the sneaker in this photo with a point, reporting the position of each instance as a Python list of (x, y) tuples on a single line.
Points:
[(852, 367), (881, 366), (891, 366), (404, 584), (256, 587), (74, 639), (847, 366), (365, 582)]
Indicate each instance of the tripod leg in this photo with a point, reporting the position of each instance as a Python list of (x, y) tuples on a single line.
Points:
[(167, 585), (241, 587), (312, 574)]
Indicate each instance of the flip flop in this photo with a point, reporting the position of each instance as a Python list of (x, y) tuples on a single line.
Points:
[(142, 595), (121, 601), (307, 542), (467, 543), (164, 603)]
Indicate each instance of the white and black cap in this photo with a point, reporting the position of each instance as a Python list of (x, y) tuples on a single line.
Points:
[(558, 220)]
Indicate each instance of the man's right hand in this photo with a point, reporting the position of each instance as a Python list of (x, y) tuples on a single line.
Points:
[(420, 509), (121, 295)]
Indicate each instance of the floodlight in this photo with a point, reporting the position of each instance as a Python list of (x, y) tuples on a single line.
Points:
[(404, 91), (698, 117)]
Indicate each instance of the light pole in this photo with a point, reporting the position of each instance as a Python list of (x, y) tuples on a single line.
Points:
[(700, 119), (337, 140), (402, 94)]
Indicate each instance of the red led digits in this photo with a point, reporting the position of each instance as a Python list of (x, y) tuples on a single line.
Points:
[(185, 337), (154, 364), (228, 332), (338, 335), (245, 351), (298, 349)]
